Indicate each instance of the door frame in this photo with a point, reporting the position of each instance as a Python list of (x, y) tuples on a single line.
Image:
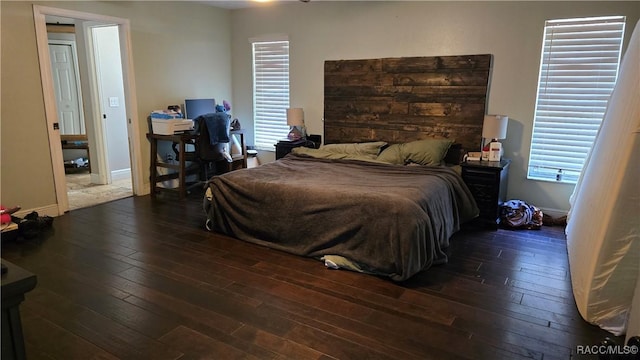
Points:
[(133, 129)]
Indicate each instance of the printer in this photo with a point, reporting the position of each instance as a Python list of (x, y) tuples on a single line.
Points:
[(171, 126), (168, 122)]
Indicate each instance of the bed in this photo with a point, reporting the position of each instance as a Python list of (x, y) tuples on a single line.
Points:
[(381, 195)]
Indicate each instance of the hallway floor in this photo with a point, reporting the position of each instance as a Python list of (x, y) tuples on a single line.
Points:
[(82, 193)]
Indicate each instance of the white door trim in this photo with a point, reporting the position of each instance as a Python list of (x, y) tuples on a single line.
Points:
[(124, 27)]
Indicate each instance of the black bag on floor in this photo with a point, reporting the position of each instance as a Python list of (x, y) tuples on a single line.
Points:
[(32, 224)]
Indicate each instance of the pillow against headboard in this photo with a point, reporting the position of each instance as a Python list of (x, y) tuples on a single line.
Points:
[(369, 149), (423, 152), (392, 154), (323, 154)]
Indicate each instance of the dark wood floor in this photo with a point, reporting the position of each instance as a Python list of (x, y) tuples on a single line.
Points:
[(141, 279)]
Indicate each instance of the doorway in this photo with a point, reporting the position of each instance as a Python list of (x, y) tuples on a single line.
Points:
[(82, 190), (111, 126)]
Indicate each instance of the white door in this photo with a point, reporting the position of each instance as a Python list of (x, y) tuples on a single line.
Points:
[(65, 82)]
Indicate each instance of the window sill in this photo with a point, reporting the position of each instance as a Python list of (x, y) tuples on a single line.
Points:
[(552, 180)]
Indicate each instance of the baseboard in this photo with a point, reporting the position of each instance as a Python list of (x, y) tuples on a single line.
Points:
[(555, 213), (120, 174), (96, 179), (49, 210)]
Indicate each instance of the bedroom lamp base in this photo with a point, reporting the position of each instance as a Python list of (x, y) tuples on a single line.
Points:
[(296, 133)]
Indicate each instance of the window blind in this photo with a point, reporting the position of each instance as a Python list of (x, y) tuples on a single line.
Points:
[(578, 70), (270, 92)]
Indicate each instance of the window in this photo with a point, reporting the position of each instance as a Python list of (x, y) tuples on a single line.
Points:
[(578, 70), (270, 92)]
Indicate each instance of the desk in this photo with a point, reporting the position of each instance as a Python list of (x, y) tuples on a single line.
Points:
[(181, 169), (15, 283), (239, 161)]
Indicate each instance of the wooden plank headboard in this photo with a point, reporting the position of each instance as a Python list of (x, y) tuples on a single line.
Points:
[(405, 99)]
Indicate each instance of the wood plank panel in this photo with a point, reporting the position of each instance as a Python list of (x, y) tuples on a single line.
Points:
[(400, 92), (397, 99), (442, 78), (421, 64)]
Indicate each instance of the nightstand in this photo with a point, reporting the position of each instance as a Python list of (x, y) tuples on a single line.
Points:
[(487, 181), (284, 147)]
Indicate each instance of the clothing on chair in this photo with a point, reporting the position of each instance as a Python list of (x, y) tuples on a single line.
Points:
[(217, 125), (211, 144)]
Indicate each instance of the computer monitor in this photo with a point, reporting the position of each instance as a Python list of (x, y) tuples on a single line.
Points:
[(196, 107)]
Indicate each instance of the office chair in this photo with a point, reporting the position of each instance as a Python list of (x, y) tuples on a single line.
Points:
[(211, 144)]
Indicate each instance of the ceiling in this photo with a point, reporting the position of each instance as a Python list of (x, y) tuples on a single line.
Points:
[(228, 4), (240, 4)]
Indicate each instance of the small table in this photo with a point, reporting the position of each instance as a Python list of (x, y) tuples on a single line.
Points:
[(15, 283), (9, 232), (487, 181), (283, 147)]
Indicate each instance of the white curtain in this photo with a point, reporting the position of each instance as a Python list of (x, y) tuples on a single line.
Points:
[(603, 229)]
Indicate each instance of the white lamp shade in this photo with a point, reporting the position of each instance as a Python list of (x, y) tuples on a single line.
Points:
[(495, 126), (295, 117)]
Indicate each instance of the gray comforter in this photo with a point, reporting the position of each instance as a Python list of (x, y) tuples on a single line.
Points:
[(391, 220)]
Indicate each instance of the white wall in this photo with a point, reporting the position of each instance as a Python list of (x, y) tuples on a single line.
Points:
[(109, 68), (511, 31), (180, 50)]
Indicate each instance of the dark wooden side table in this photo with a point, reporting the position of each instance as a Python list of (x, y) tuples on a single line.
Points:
[(16, 281), (487, 181), (284, 147)]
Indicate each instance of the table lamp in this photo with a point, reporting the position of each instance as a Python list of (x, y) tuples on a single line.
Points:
[(295, 119), (494, 128)]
